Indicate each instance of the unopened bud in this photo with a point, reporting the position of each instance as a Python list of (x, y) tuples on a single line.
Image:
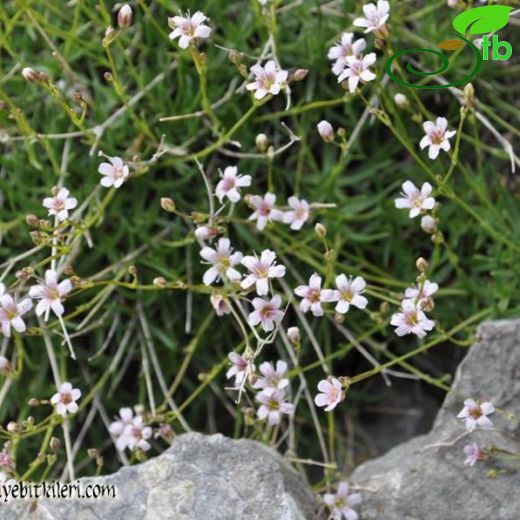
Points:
[(428, 224), (32, 220), (54, 444), (206, 232), (235, 56), (300, 74), (294, 335), (167, 204), (93, 453), (469, 94), (326, 131), (110, 33), (34, 76), (160, 282), (401, 100), (132, 269), (262, 142), (125, 16), (13, 427), (34, 402), (421, 264), (320, 230)]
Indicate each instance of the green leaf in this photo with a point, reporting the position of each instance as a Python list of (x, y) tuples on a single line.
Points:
[(481, 20)]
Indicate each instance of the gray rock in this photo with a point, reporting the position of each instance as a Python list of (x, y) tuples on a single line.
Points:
[(418, 481), (198, 478)]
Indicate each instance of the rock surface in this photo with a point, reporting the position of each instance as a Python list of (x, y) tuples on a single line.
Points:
[(418, 481), (198, 478)]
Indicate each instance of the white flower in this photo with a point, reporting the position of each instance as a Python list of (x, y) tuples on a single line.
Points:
[(114, 173), (268, 80), (424, 292), (118, 427), (349, 293), (187, 28), (261, 270), (272, 379), (11, 314), (473, 453), (298, 214), (267, 313), (411, 320), (220, 304), (331, 394), (60, 204), (222, 259), (414, 200), (344, 48), (358, 69), (437, 137), (50, 293), (313, 295), (264, 210), (241, 367), (272, 406), (341, 503), (375, 16), (476, 415), (428, 224), (65, 399), (230, 184)]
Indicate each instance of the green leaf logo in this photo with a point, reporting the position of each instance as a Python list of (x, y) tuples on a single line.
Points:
[(482, 20)]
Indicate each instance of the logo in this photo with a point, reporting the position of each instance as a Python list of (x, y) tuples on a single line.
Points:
[(485, 21)]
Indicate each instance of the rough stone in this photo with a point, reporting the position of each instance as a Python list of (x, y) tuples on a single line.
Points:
[(198, 478), (420, 480)]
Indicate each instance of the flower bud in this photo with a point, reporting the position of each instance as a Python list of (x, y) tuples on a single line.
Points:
[(5, 364), (132, 270), (428, 224), (421, 264), (13, 427), (300, 74), (34, 402), (54, 444), (125, 17), (320, 230), (469, 95), (262, 142), (34, 76), (160, 282), (167, 204), (401, 100), (326, 131), (294, 334), (206, 232)]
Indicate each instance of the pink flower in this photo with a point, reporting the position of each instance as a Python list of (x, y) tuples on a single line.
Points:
[(341, 503), (220, 304), (313, 295), (264, 210), (375, 17), (268, 80), (261, 270), (267, 313), (349, 293), (272, 405), (298, 214), (414, 200), (476, 414), (114, 173), (11, 314), (358, 69), (272, 379), (331, 394), (137, 434), (118, 427), (222, 259), (230, 184), (241, 367), (188, 28), (343, 49), (472, 452), (437, 137), (60, 204), (411, 320), (423, 292), (50, 293), (65, 399)]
